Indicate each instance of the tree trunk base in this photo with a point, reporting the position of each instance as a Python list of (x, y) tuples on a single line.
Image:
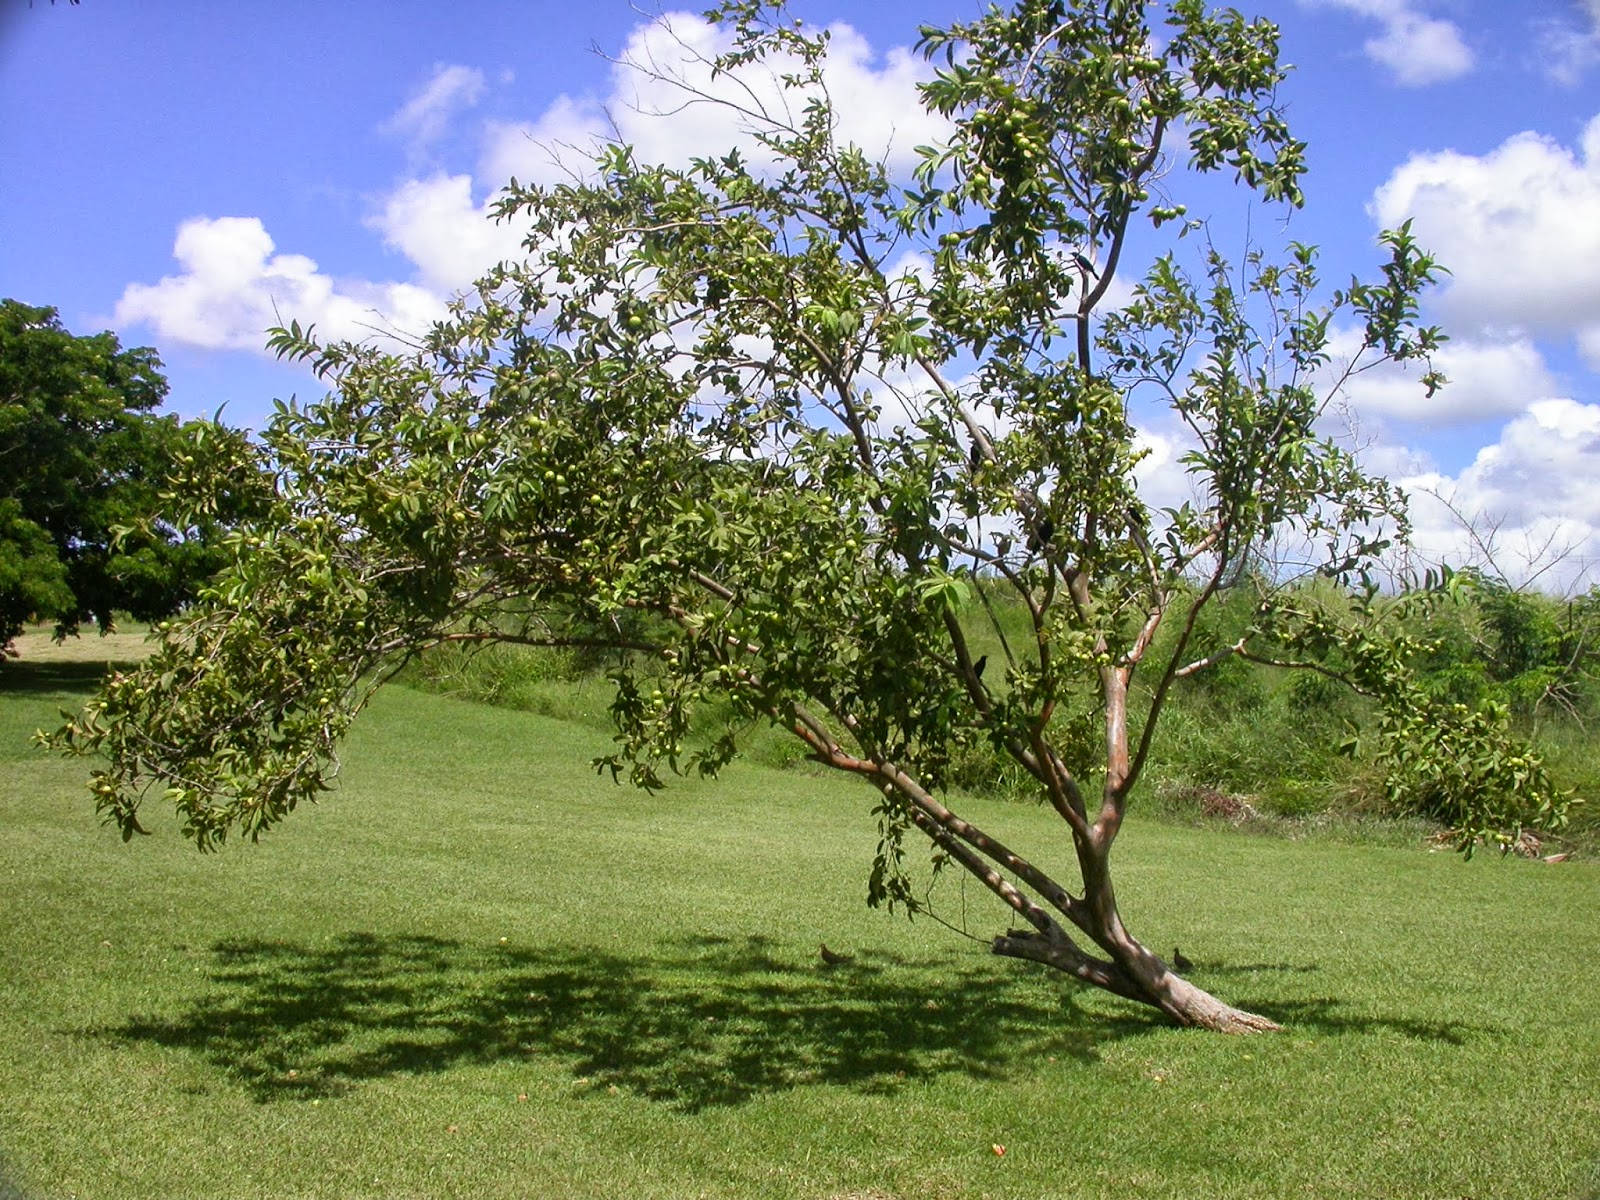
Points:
[(1205, 1011), (1155, 984)]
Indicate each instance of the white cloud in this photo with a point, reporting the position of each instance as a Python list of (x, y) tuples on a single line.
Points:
[(1516, 227), (1416, 48), (233, 288), (231, 276), (1527, 502), (1544, 462), (1420, 50), (564, 139), (1164, 481), (878, 108), (1589, 344), (1567, 49), (651, 105), (1486, 379), (450, 238), (664, 101), (425, 117)]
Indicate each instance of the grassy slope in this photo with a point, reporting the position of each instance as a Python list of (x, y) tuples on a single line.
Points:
[(357, 1006)]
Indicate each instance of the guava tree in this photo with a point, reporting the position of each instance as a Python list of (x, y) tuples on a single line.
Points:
[(784, 430)]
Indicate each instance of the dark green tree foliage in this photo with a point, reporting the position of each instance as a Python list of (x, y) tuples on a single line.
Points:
[(707, 395), (84, 463)]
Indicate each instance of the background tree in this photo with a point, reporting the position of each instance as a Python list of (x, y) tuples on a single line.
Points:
[(84, 463), (774, 425)]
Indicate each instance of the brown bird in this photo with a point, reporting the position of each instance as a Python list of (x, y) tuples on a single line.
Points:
[(832, 958), (1179, 961)]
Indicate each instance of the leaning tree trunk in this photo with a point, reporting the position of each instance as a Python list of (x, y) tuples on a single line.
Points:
[(1128, 970), (1136, 974), (1132, 971)]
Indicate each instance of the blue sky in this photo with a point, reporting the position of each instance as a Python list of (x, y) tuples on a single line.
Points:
[(178, 172)]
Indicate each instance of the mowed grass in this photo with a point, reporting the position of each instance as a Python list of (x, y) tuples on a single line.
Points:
[(478, 969)]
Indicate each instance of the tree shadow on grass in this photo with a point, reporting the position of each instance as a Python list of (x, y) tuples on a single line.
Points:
[(700, 1023), (10, 1189), (63, 680), (1327, 1014)]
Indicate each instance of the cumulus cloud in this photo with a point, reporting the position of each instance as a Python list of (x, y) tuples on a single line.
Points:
[(232, 277), (563, 139), (1415, 48), (876, 107), (1514, 228), (1487, 379), (1164, 480), (232, 288), (443, 231), (423, 119), (656, 100), (664, 101), (1526, 506)]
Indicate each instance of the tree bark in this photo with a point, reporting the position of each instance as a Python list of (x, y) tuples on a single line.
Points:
[(1144, 978)]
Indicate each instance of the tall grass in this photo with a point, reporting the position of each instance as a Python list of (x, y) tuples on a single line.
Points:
[(539, 679)]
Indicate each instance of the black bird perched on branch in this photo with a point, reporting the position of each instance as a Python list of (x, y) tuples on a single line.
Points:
[(1085, 265), (1179, 961), (1043, 533), (977, 667)]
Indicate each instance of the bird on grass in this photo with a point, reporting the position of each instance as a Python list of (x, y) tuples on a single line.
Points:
[(1179, 961), (832, 958)]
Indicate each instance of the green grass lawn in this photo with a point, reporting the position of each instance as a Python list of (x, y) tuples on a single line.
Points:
[(480, 970)]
